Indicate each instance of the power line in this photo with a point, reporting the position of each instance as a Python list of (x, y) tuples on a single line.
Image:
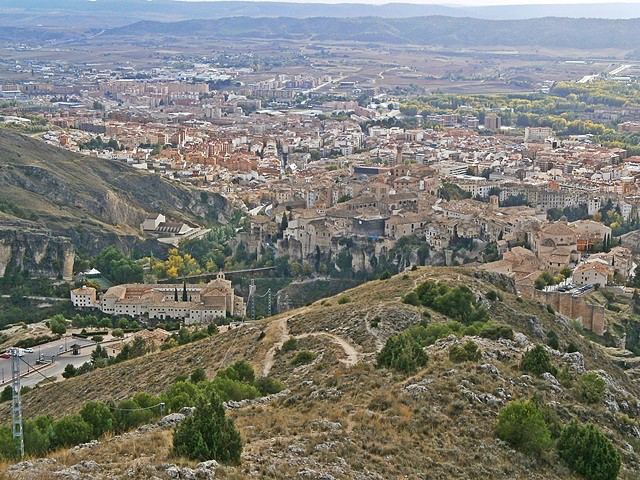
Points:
[(80, 397)]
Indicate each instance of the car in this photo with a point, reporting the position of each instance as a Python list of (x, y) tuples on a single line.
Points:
[(28, 350), (5, 355)]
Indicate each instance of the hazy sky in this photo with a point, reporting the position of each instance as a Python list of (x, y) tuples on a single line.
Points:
[(462, 2)]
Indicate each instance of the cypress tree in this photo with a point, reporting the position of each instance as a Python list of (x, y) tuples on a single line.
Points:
[(185, 297), (175, 294)]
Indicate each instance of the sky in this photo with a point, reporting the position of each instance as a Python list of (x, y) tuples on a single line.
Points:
[(475, 3)]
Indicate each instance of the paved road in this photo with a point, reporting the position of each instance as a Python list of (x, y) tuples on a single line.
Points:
[(59, 349)]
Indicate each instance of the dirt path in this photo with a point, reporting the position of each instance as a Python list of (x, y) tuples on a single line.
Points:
[(279, 330), (353, 356)]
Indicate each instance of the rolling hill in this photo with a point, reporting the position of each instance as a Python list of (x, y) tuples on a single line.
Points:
[(579, 33), (343, 418)]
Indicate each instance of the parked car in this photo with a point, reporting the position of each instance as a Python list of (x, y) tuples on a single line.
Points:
[(28, 350), (5, 355)]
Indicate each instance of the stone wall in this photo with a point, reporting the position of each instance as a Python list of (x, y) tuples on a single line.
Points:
[(591, 316)]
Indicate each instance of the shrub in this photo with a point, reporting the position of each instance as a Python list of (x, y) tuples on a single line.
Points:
[(523, 426), (290, 345), (234, 390), (128, 414), (458, 303), (198, 375), (402, 352), (69, 371), (552, 340), (375, 321), (36, 441), (591, 388), (572, 347), (268, 386), (118, 333), (208, 435), (180, 394), (537, 362), (69, 431), (305, 356), (589, 452), (492, 295), (98, 416), (58, 324), (550, 309), (469, 352), (343, 300), (494, 331), (6, 394), (385, 275)]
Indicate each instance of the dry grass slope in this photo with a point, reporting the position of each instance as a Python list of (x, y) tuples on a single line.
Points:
[(358, 422)]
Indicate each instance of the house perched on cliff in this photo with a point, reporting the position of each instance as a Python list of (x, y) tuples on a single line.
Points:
[(193, 303)]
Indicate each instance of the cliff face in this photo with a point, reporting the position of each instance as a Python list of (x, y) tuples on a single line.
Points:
[(36, 251)]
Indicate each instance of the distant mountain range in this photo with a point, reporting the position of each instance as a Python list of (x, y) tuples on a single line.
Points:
[(433, 30), (109, 13)]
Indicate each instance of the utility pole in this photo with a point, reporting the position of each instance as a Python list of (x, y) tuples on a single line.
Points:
[(16, 405), (252, 295), (269, 309)]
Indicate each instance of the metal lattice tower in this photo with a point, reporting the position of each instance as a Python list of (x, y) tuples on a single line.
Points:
[(16, 406), (269, 309), (252, 295)]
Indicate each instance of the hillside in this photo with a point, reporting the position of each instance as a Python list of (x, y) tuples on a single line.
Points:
[(342, 417), (579, 33), (93, 201)]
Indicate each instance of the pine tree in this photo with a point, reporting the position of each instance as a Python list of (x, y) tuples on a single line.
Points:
[(208, 434)]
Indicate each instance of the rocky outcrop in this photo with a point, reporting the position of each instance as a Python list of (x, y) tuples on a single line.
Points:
[(37, 252)]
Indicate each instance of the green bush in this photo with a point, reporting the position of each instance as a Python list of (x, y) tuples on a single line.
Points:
[(180, 394), (343, 300), (290, 345), (268, 385), (494, 331), (36, 441), (458, 303), (70, 431), (234, 390), (208, 435), (492, 296), (552, 340), (58, 324), (589, 452), (402, 352), (537, 362), (469, 352), (129, 415), (591, 388), (386, 275), (198, 375), (305, 356), (98, 416), (523, 426)]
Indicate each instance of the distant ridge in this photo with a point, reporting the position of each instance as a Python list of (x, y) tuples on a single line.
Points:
[(432, 30), (109, 13)]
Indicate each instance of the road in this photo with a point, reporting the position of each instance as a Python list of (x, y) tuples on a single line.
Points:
[(42, 299), (62, 358)]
